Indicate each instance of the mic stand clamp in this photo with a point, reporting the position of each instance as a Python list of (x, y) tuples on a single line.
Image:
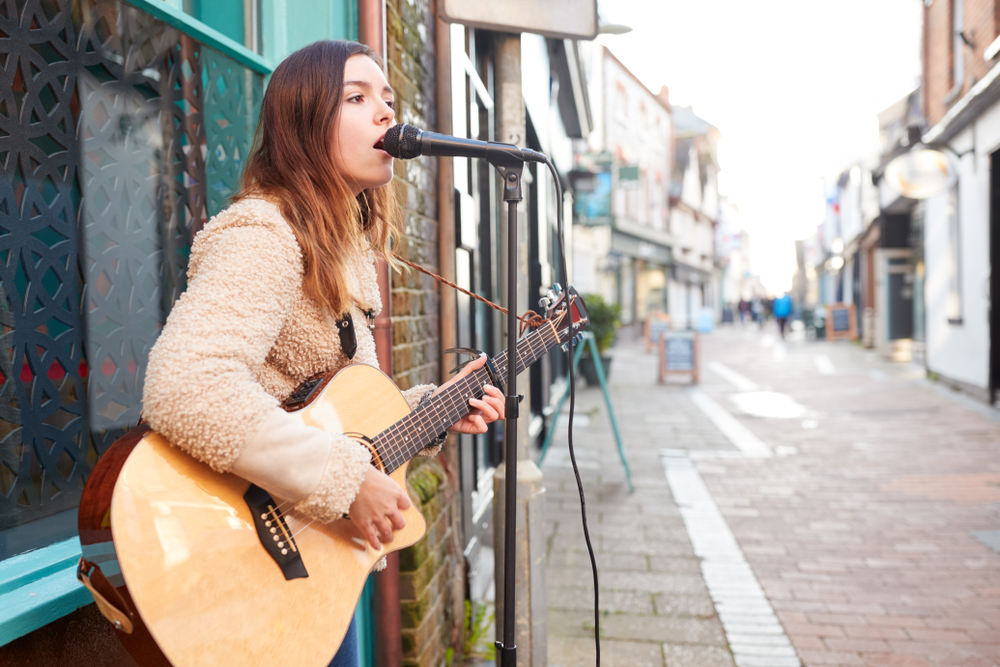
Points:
[(510, 169)]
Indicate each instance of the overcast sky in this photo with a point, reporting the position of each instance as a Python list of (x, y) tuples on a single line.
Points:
[(793, 86)]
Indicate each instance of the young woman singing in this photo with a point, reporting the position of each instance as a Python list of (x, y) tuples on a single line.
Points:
[(269, 279)]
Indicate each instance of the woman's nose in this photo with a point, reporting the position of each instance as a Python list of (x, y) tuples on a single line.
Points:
[(386, 112)]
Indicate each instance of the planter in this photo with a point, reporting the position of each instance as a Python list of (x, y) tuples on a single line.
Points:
[(590, 373)]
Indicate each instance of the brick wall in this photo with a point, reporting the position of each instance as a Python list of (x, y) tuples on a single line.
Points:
[(980, 25), (432, 578), (410, 55), (431, 620)]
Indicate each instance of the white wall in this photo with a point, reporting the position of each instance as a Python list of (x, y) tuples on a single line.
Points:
[(961, 351)]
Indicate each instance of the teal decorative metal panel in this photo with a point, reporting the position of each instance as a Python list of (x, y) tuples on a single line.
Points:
[(119, 136), (232, 102)]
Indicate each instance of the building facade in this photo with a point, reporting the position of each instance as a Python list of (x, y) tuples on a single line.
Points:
[(622, 246), (961, 98), (124, 131), (694, 215)]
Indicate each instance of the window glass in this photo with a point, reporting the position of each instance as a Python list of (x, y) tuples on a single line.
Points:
[(128, 156)]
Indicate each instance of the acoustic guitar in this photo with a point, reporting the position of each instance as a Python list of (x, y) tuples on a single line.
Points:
[(198, 568)]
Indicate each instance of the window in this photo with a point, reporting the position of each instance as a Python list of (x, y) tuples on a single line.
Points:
[(953, 260), (621, 103), (236, 19), (111, 209)]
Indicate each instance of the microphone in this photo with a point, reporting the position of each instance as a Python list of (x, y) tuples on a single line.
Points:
[(406, 142)]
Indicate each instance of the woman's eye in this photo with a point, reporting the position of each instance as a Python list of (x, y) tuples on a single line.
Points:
[(355, 98), (391, 104)]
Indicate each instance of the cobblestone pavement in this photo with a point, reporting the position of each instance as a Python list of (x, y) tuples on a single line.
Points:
[(864, 499)]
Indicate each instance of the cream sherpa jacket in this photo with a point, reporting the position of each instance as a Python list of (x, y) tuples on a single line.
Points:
[(239, 340)]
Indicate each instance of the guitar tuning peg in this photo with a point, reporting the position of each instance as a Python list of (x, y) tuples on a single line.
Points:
[(579, 337), (544, 303), (565, 347), (557, 288)]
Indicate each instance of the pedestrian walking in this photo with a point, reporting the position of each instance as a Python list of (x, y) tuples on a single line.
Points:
[(744, 310), (282, 285), (782, 311)]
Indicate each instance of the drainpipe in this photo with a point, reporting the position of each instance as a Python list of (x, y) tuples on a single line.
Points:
[(388, 634), (447, 323)]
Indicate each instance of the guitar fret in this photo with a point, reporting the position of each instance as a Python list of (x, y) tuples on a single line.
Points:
[(404, 439)]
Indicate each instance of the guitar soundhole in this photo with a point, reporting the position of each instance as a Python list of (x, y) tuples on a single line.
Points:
[(273, 532)]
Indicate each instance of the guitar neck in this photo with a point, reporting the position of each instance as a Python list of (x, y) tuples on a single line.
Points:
[(400, 442)]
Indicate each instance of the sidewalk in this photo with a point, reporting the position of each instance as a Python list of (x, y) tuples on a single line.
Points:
[(656, 609), (863, 501)]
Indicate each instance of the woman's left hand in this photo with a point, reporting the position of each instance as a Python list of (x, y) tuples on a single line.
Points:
[(483, 411)]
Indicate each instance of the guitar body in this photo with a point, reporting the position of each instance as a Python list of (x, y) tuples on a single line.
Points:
[(194, 566)]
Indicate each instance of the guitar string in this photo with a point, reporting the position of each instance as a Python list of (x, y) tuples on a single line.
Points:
[(467, 386)]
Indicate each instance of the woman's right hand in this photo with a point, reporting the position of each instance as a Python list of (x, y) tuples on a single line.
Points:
[(377, 509)]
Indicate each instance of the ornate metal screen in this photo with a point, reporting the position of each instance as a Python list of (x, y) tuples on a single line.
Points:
[(119, 137)]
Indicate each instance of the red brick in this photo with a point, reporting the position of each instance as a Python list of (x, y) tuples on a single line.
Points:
[(837, 619), (859, 645), (827, 658), (897, 621), (869, 632), (889, 660), (944, 636), (814, 630), (807, 643)]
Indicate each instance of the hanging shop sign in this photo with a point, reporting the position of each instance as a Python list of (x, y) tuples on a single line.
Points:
[(560, 19), (594, 207), (921, 174)]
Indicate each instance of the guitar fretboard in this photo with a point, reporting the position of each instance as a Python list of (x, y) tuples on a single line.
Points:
[(401, 441)]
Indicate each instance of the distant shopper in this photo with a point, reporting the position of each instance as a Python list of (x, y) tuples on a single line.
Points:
[(782, 310), (744, 310)]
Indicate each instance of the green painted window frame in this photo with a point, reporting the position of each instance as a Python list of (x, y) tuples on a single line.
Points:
[(40, 586), (203, 33)]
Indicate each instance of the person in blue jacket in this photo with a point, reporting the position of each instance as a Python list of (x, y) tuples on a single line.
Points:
[(782, 311)]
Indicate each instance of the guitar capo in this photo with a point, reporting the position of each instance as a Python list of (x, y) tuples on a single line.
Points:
[(490, 367)]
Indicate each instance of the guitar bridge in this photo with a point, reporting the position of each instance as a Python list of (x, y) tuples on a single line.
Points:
[(273, 532)]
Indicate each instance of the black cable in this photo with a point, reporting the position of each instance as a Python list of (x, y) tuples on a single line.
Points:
[(564, 276)]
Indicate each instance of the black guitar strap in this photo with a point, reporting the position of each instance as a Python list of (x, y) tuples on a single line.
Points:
[(348, 337)]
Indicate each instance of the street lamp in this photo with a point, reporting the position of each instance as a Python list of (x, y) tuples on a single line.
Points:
[(612, 29)]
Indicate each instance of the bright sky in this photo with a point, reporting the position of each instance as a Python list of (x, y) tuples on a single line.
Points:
[(793, 86)]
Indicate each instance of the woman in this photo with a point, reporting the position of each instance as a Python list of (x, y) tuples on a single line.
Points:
[(270, 277)]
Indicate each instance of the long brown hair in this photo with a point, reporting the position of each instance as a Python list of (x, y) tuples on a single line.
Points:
[(291, 162)]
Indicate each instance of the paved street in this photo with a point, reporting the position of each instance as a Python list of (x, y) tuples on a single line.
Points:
[(864, 501)]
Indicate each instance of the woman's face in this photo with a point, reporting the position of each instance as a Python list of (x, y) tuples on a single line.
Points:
[(366, 112)]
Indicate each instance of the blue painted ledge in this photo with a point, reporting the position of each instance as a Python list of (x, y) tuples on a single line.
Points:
[(39, 587)]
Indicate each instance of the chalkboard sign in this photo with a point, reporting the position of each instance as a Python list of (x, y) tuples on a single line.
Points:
[(840, 322), (679, 354), (656, 324)]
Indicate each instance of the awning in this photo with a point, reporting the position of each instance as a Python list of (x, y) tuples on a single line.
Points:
[(633, 246)]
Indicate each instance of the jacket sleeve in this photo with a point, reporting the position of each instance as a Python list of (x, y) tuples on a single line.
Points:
[(201, 394)]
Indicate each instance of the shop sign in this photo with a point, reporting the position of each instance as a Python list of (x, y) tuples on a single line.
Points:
[(560, 19)]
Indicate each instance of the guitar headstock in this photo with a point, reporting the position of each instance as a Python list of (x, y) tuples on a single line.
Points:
[(567, 311)]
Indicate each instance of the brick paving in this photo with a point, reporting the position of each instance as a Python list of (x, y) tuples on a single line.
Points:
[(863, 540), (655, 607), (868, 531)]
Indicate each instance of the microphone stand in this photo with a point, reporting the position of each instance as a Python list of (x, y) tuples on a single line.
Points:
[(510, 169)]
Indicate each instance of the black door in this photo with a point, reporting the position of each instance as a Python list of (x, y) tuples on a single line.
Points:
[(994, 275)]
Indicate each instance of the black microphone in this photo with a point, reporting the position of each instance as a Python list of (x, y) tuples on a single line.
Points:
[(406, 142)]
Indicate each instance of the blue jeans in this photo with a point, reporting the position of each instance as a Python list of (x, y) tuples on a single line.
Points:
[(348, 655)]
